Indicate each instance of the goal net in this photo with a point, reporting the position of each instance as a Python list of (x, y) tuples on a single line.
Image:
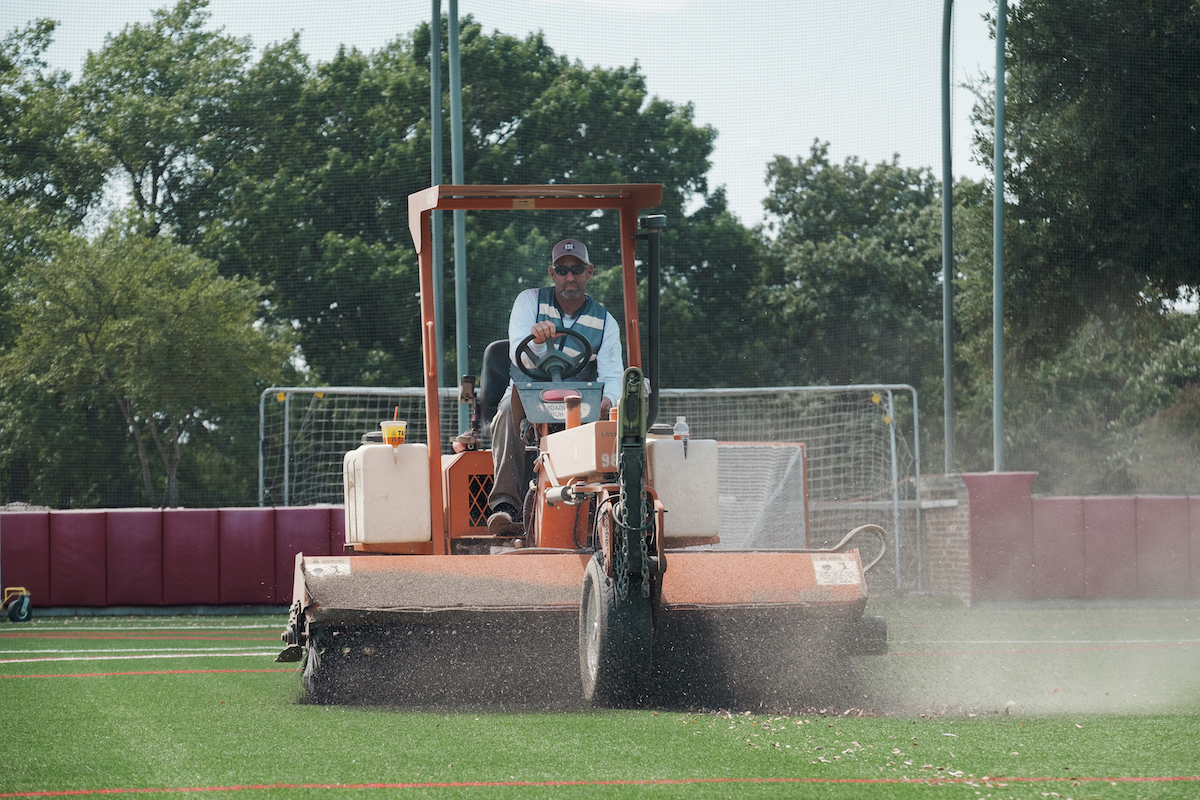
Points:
[(857, 464), (798, 466), (305, 432)]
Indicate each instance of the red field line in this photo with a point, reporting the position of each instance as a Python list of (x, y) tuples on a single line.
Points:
[(1048, 650), (152, 672), (992, 781)]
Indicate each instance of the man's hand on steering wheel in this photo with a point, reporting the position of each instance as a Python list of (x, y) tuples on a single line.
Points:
[(541, 331), (554, 364)]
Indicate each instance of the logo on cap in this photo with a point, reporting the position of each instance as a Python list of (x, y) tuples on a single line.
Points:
[(570, 247)]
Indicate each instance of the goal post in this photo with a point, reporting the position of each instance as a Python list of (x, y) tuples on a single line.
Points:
[(861, 453), (798, 466), (303, 433)]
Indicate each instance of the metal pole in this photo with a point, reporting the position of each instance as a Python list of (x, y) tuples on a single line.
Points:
[(895, 485), (287, 443), (653, 225), (460, 216), (262, 410), (920, 545), (947, 245), (435, 178), (998, 253)]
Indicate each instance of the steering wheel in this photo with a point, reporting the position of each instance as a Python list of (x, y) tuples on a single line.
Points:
[(554, 364)]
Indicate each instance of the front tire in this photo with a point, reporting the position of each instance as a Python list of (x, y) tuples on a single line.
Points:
[(615, 637), (320, 669)]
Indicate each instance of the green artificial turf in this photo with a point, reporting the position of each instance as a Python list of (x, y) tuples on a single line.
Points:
[(248, 729)]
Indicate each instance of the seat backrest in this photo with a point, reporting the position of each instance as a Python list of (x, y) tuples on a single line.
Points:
[(494, 379)]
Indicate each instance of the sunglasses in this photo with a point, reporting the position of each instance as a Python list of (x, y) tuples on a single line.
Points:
[(574, 269)]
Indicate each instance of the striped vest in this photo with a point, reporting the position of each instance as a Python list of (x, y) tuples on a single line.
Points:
[(589, 322)]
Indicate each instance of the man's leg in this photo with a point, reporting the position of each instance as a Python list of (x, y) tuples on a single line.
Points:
[(509, 482)]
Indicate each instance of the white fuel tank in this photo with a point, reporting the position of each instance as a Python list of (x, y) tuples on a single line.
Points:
[(387, 494), (687, 487)]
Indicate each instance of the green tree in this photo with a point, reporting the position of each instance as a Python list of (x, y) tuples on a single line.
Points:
[(320, 211), (45, 163), (714, 332), (165, 103), (328, 226), (147, 324), (49, 176), (1075, 410), (1103, 161), (853, 277), (1102, 182)]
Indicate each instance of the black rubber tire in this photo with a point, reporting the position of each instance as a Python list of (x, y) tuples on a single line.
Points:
[(319, 666), (615, 642), (20, 609)]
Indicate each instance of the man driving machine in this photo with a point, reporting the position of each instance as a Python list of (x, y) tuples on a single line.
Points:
[(543, 314)]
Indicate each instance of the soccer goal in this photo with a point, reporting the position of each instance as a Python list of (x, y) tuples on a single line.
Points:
[(303, 433), (798, 466)]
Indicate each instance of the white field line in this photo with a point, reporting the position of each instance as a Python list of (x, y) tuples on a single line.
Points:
[(42, 625), (247, 654)]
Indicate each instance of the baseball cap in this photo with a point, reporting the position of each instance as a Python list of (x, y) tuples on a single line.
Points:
[(570, 247)]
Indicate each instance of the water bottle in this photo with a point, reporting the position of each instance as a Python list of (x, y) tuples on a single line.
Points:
[(680, 432)]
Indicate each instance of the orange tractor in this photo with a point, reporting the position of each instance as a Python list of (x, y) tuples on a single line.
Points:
[(615, 592)]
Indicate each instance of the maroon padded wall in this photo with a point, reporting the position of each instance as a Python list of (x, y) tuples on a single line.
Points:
[(1194, 525), (1058, 548), (191, 562), (1110, 547), (133, 543), (1163, 563), (247, 555), (77, 558), (25, 553), (1001, 534), (297, 530), (1020, 548)]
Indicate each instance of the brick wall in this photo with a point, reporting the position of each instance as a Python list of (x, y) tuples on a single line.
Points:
[(945, 517)]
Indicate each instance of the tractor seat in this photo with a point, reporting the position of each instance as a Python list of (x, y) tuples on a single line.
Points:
[(494, 380)]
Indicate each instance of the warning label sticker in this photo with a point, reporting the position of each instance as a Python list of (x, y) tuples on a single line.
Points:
[(325, 566), (836, 569)]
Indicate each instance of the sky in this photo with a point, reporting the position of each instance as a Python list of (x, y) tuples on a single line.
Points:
[(769, 75)]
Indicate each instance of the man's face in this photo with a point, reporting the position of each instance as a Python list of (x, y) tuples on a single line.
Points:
[(571, 287)]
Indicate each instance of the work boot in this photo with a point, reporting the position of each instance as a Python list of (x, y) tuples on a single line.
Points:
[(505, 521)]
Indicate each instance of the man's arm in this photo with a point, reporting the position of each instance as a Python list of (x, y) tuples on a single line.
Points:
[(609, 366), (522, 318)]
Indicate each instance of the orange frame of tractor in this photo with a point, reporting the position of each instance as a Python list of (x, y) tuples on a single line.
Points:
[(641, 624), (627, 199)]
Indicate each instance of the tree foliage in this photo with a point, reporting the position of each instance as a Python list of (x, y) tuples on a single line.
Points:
[(1102, 107), (322, 213), (853, 287), (46, 165), (148, 324), (1101, 182), (166, 103)]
